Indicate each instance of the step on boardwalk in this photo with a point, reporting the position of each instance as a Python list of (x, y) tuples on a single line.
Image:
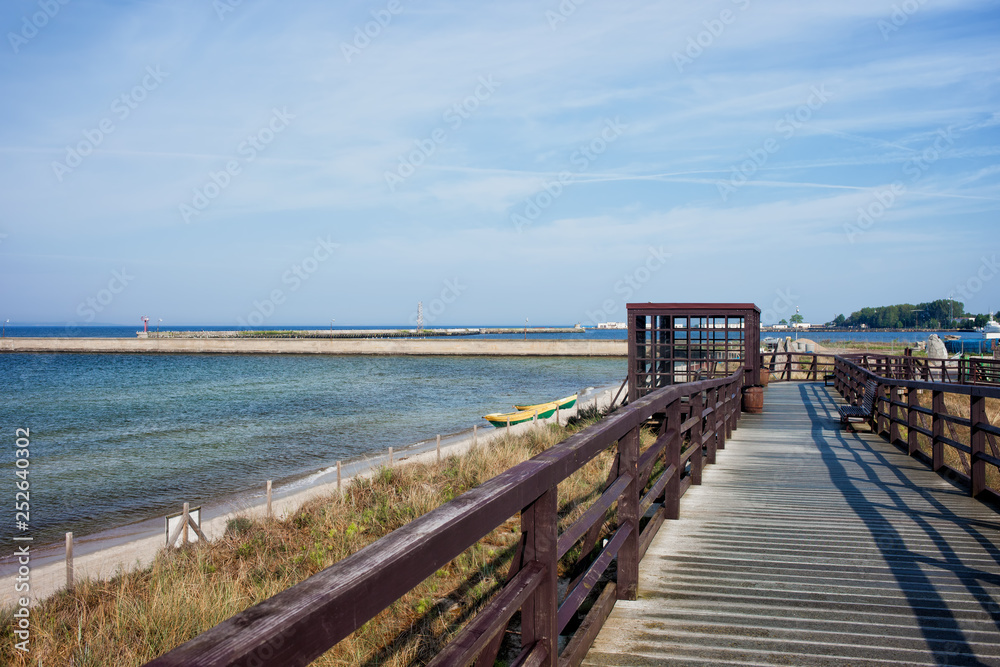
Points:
[(811, 546)]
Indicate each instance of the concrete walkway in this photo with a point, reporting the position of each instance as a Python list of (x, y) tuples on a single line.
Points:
[(810, 546)]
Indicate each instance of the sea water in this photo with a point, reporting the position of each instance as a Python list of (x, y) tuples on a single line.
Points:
[(117, 438)]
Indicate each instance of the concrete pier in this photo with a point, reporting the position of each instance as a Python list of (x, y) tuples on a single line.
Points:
[(445, 346)]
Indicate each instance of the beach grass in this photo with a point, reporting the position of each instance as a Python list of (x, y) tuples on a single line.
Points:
[(139, 615)]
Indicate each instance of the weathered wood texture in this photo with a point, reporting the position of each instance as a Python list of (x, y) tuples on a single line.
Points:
[(808, 545)]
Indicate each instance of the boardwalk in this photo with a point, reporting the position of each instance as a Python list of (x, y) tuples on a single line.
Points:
[(809, 546)]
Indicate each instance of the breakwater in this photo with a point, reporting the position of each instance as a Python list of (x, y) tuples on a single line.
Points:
[(362, 333), (373, 346)]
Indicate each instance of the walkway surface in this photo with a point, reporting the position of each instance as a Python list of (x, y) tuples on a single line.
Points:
[(811, 546)]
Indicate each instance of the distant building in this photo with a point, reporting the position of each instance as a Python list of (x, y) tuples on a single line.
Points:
[(612, 325)]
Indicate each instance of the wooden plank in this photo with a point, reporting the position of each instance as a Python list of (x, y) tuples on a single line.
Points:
[(628, 514), (594, 514), (539, 523), (584, 636), (492, 619), (649, 532), (576, 596), (977, 442)]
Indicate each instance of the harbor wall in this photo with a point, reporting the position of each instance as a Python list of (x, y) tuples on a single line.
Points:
[(448, 346)]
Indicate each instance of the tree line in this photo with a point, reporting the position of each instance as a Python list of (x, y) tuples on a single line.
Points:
[(939, 314)]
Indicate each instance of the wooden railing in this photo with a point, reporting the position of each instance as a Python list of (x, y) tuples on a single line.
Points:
[(791, 366), (944, 424), (299, 624), (975, 370)]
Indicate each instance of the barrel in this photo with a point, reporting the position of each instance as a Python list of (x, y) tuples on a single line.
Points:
[(753, 399), (765, 376)]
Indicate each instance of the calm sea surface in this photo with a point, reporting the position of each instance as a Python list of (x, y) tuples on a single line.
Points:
[(120, 438)]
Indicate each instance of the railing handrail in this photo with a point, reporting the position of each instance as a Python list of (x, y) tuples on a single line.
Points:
[(302, 622), (985, 391)]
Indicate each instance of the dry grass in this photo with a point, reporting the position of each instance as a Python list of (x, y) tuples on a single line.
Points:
[(140, 615)]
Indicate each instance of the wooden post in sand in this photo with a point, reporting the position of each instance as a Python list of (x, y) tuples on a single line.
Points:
[(439, 448), (268, 499), (338, 476), (475, 435), (184, 522), (69, 561), (390, 457)]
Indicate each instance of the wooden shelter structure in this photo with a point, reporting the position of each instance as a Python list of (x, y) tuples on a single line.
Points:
[(672, 343)]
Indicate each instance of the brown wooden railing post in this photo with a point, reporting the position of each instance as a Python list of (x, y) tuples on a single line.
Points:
[(539, 617), (672, 497), (912, 420), (719, 418), (883, 391), (937, 428), (697, 460), (628, 512), (730, 419), (977, 440), (894, 435), (710, 422), (736, 388)]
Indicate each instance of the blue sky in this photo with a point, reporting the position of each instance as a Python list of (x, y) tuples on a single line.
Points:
[(287, 163)]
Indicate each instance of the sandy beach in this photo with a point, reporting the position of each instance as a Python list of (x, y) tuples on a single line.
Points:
[(105, 554)]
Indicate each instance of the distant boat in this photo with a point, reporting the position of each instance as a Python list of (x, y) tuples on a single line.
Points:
[(562, 403), (991, 329)]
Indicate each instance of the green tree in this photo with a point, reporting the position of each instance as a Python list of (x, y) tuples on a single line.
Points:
[(797, 318), (840, 320), (784, 322)]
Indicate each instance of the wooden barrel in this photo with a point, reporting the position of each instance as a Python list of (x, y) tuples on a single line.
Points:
[(753, 399), (765, 376)]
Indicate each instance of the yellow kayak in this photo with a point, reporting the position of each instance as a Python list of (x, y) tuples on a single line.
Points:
[(563, 403), (499, 419)]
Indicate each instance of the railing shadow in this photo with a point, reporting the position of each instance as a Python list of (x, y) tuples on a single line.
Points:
[(937, 622)]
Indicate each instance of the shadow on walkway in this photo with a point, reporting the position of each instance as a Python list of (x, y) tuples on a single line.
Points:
[(917, 574)]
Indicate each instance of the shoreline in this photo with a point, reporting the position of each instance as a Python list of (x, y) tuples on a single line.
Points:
[(106, 553), (341, 346)]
